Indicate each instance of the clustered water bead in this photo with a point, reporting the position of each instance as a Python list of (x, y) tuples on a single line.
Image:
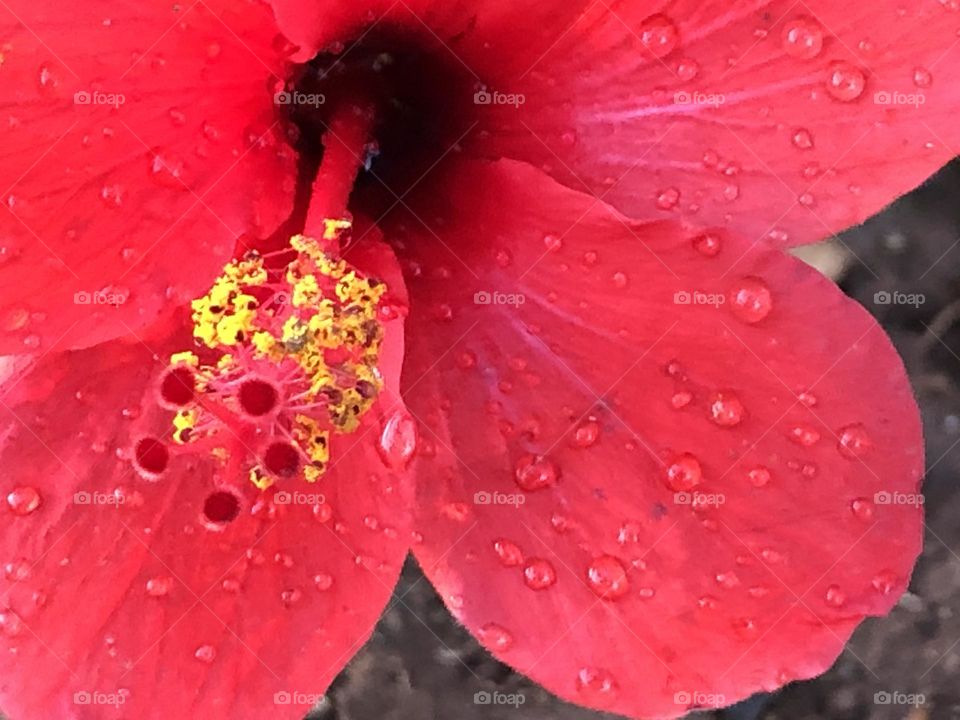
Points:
[(286, 354)]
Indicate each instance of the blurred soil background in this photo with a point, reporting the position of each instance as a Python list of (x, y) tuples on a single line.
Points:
[(420, 665)]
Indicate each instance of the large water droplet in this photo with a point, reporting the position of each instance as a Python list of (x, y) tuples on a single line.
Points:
[(862, 508), (495, 637), (659, 35), (23, 500), (206, 654), (398, 441), (708, 244), (159, 586), (684, 473), (668, 199), (607, 577), (539, 574), (802, 38), (535, 473), (854, 441), (586, 433), (726, 410), (845, 82), (750, 300), (596, 686), (759, 476), (508, 552)]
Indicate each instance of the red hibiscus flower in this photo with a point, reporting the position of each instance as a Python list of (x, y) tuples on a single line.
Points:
[(289, 290)]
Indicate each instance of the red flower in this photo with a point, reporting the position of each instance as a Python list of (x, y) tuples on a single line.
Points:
[(651, 450)]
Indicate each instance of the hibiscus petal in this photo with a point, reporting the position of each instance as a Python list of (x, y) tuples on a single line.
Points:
[(658, 469), (139, 142), (116, 590), (785, 122)]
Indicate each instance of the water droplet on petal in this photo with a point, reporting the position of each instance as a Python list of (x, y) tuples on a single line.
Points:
[(10, 623), (539, 574), (206, 654), (553, 243), (586, 433), (23, 500), (495, 637), (596, 686), (508, 552), (884, 582), (759, 476), (708, 244), (17, 570), (854, 441), (668, 199), (290, 597), (804, 435), (681, 399), (726, 410), (750, 300), (398, 441), (684, 473), (535, 473), (659, 35), (845, 82), (687, 69), (607, 577), (159, 586), (620, 280), (802, 38), (835, 596), (727, 580), (862, 508), (922, 77), (323, 581)]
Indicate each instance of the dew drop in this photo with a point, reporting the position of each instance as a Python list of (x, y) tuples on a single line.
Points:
[(727, 580), (750, 300), (607, 577), (802, 139), (759, 476), (804, 435), (159, 586), (681, 399), (539, 574), (668, 199), (206, 654), (845, 82), (708, 244), (726, 410), (23, 500), (620, 280), (17, 570), (854, 441), (862, 509), (596, 686), (398, 441), (834, 596), (322, 512), (884, 582), (290, 597), (10, 623), (323, 581), (586, 433), (922, 77), (659, 35), (802, 38), (509, 553), (533, 472), (553, 243), (496, 637), (684, 473), (687, 69)]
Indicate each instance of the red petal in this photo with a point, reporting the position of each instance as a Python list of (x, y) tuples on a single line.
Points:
[(140, 140), (651, 463), (724, 110), (140, 601)]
